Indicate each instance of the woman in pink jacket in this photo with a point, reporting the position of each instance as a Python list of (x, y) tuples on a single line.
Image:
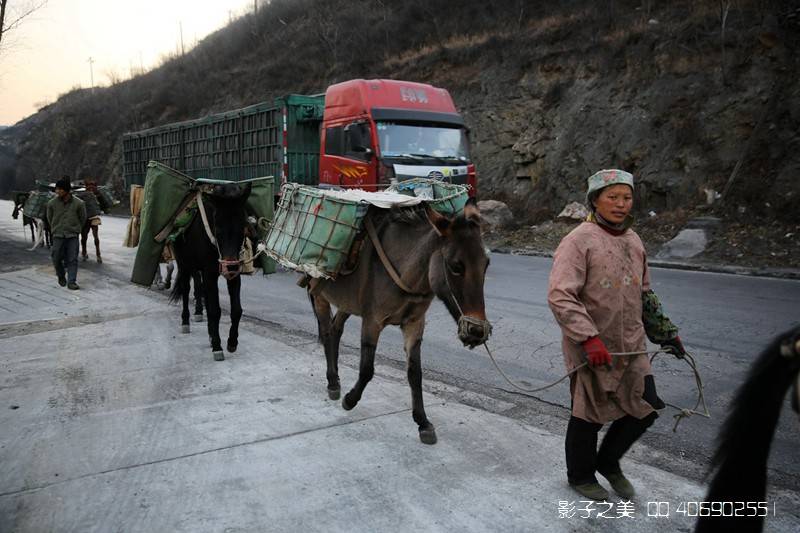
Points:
[(599, 292)]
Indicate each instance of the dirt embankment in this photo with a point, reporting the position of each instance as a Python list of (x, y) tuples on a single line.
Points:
[(758, 244)]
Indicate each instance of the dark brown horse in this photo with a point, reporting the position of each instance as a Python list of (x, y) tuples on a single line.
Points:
[(744, 441), (431, 255), (211, 255), (19, 202)]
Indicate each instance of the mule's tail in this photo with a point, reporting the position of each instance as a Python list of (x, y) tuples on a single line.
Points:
[(39, 225), (181, 286)]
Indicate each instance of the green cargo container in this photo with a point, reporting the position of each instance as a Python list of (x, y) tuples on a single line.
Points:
[(165, 192), (236, 145)]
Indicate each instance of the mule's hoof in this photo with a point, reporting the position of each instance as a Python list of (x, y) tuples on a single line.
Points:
[(167, 285), (160, 286), (232, 347), (99, 261), (345, 403), (185, 328), (427, 435), (85, 257), (219, 356), (335, 394), (198, 317)]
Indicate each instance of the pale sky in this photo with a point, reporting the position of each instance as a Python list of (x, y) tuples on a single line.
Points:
[(49, 53)]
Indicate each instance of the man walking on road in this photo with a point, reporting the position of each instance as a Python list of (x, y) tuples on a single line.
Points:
[(67, 215)]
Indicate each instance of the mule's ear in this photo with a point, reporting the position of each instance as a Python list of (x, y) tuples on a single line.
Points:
[(472, 213), (439, 222)]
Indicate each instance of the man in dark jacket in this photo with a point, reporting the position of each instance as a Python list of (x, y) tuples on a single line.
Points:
[(67, 215)]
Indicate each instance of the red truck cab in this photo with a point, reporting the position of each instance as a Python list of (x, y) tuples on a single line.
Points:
[(377, 132)]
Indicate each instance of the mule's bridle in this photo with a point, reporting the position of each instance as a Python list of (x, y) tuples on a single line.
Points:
[(467, 325)]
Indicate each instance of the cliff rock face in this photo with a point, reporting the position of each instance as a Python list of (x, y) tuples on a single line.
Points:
[(552, 92), (644, 100)]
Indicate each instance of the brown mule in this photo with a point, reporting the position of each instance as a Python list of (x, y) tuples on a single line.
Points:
[(412, 255)]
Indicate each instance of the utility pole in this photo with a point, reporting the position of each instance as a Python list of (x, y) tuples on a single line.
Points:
[(141, 63), (180, 27), (255, 7), (91, 72)]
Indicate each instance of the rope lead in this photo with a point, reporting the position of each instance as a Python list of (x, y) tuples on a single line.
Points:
[(680, 415)]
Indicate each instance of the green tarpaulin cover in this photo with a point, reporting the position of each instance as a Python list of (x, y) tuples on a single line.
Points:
[(165, 192)]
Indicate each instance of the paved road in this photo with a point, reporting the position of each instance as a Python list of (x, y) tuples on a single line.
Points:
[(113, 421), (725, 320)]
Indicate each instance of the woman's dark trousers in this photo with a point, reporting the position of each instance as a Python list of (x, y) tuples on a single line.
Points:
[(583, 458)]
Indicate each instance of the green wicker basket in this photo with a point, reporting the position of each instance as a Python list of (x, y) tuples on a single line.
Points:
[(36, 204), (313, 232), (446, 198)]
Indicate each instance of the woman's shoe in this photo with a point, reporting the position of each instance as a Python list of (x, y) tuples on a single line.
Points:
[(621, 485), (594, 491)]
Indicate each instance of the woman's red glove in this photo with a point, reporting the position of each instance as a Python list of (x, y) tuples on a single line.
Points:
[(596, 351), (674, 346)]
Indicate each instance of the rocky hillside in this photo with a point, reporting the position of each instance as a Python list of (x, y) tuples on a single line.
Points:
[(688, 95)]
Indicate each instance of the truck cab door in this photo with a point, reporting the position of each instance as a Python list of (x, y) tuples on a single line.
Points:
[(348, 158)]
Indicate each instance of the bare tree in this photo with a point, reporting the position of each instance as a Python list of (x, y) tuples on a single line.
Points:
[(724, 8), (113, 76), (18, 15), (329, 32)]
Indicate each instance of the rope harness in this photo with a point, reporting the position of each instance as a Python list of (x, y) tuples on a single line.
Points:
[(226, 264), (387, 264)]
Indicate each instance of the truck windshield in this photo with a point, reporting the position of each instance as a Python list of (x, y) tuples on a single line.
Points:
[(413, 140)]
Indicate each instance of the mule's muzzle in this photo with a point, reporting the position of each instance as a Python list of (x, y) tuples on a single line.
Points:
[(230, 268), (473, 331)]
